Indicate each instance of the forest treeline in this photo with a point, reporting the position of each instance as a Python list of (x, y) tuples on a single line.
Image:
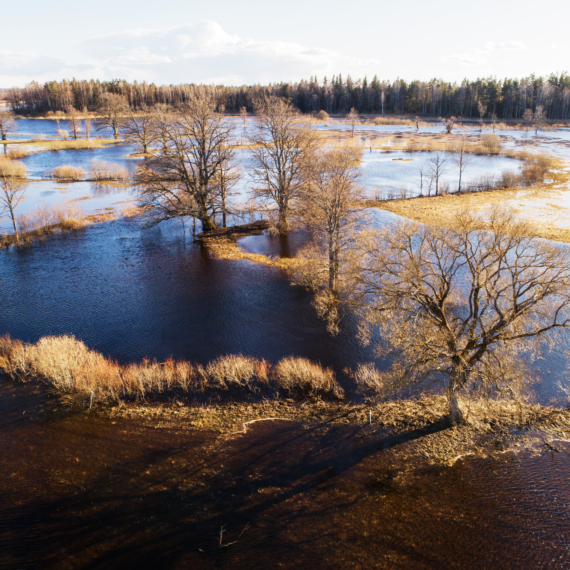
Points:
[(507, 99)]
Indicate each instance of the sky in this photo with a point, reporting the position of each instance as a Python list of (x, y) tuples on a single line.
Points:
[(261, 41)]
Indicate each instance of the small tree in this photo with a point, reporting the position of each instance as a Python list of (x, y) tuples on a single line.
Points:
[(12, 190), (87, 127), (112, 109), (494, 119), (140, 128), (482, 108), (461, 158), (280, 147), (328, 203), (73, 122), (449, 124), (353, 120), (539, 118), (436, 167), (7, 123), (463, 307)]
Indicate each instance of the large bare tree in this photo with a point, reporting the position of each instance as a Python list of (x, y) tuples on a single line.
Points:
[(112, 109), (73, 122), (460, 306), (279, 148), (180, 180)]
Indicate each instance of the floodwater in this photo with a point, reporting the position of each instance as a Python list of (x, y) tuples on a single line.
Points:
[(83, 491)]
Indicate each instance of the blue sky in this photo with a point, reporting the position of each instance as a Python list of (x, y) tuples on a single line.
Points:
[(251, 41)]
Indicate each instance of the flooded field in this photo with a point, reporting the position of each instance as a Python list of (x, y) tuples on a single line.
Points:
[(83, 490)]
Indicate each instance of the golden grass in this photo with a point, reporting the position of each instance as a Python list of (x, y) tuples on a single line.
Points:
[(442, 210), (68, 173), (227, 248), (102, 171), (69, 365), (9, 167), (73, 145)]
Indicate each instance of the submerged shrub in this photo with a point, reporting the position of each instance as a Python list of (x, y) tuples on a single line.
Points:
[(101, 171), (68, 172)]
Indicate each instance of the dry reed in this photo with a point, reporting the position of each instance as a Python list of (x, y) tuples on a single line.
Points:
[(13, 168), (104, 171), (68, 173), (69, 365)]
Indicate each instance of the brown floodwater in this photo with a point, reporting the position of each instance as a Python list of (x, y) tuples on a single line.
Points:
[(81, 490)]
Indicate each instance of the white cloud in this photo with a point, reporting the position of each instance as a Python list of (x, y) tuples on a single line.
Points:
[(27, 63), (194, 53), (205, 53), (481, 55)]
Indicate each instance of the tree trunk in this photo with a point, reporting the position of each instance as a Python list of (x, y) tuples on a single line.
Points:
[(282, 225), (455, 412), (12, 215), (207, 223)]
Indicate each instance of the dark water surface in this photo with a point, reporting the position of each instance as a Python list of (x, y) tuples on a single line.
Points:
[(131, 294), (83, 491)]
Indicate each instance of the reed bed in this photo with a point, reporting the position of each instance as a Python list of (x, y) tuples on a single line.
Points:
[(102, 171), (68, 173), (73, 145), (12, 168), (69, 365)]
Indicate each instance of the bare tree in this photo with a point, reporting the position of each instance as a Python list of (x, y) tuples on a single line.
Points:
[(87, 127), (461, 307), (140, 128), (449, 124), (73, 122), (243, 113), (417, 121), (7, 123), (12, 190), (436, 167), (494, 119), (528, 118), (353, 120), (112, 109), (228, 176), (180, 179), (328, 203), (461, 157), (538, 118), (482, 108), (280, 146)]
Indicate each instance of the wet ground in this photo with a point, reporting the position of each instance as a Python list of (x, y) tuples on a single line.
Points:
[(83, 491)]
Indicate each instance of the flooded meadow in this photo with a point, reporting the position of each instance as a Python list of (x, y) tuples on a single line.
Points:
[(85, 489)]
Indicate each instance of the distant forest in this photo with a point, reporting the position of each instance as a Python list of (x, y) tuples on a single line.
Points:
[(507, 99)]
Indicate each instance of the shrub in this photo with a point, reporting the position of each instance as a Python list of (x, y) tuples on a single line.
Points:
[(509, 179), (301, 377), (535, 169), (104, 171), (68, 172), (231, 372), (323, 116), (491, 143), (368, 380), (10, 167)]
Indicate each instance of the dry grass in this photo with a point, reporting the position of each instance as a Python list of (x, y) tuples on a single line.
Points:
[(299, 376), (18, 153), (102, 171), (68, 173), (69, 365), (73, 145), (226, 248), (9, 167)]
